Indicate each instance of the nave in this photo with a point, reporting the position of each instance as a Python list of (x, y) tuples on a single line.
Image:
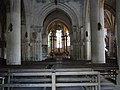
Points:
[(70, 75), (33, 30)]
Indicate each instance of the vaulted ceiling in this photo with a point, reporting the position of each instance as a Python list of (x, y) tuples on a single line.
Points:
[(110, 10), (109, 6)]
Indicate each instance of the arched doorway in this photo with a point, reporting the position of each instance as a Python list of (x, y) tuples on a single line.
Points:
[(58, 40), (57, 27)]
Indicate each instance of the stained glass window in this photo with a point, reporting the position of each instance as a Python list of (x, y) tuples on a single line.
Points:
[(58, 43), (49, 41), (68, 39), (59, 38)]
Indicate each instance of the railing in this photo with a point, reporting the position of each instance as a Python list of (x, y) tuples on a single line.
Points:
[(2, 82), (109, 71), (52, 78)]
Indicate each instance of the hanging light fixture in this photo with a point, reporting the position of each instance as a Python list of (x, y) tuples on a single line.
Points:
[(56, 2)]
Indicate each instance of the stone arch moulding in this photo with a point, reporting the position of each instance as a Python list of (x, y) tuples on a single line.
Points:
[(51, 7), (59, 16), (59, 21), (109, 8)]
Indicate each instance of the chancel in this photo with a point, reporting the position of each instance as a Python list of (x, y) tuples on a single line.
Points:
[(58, 40), (59, 45)]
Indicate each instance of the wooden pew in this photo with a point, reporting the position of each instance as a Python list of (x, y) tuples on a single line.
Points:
[(52, 78)]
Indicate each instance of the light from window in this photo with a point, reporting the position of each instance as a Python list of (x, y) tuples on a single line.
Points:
[(59, 38)]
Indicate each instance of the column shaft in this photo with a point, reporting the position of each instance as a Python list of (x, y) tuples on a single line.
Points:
[(0, 39), (40, 46), (97, 33), (118, 41), (14, 33), (28, 25), (87, 33)]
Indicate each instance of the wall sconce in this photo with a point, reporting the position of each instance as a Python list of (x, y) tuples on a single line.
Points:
[(26, 34), (99, 26), (10, 27), (86, 33)]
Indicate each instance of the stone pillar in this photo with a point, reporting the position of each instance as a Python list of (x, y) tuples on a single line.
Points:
[(79, 45), (0, 38), (14, 33), (40, 44), (102, 31), (74, 47), (71, 45), (82, 43), (87, 54), (97, 33), (87, 34), (28, 28), (118, 41)]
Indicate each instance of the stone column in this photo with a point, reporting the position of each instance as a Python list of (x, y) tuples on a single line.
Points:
[(97, 33), (74, 47), (40, 45), (82, 43), (0, 30), (0, 39), (109, 42), (71, 45), (79, 45), (102, 32), (28, 28), (87, 34), (87, 54), (14, 33), (118, 41)]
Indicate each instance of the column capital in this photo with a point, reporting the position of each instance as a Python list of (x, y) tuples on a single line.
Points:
[(36, 28)]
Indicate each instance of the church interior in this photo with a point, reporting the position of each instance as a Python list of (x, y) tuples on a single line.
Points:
[(59, 45)]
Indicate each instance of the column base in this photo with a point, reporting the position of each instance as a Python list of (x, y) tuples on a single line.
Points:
[(10, 62)]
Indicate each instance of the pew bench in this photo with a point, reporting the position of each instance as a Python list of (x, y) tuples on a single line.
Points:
[(52, 78)]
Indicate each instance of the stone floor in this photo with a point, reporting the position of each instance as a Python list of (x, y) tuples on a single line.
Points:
[(65, 88)]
